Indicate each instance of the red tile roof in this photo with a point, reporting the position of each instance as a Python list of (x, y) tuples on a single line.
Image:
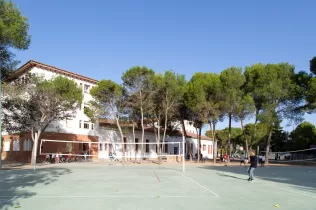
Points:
[(193, 135), (27, 66)]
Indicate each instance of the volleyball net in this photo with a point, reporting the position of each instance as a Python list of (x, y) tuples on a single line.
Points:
[(294, 156), (77, 150)]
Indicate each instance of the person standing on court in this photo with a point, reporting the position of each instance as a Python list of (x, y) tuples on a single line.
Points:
[(226, 158), (243, 159), (253, 165), (263, 160)]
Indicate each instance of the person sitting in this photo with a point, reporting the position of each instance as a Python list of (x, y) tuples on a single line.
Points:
[(47, 158)]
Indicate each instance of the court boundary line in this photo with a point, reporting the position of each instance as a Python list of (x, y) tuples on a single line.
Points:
[(199, 185), (101, 196), (292, 191), (156, 176)]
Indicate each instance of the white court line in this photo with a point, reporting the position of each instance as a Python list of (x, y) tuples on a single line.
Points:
[(199, 185), (101, 196), (293, 191)]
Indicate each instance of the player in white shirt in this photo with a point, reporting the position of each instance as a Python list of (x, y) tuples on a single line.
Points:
[(243, 159), (263, 159)]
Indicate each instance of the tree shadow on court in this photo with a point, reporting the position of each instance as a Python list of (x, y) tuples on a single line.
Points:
[(301, 178), (17, 184)]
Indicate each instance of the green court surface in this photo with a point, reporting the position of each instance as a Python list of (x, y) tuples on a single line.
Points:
[(143, 187)]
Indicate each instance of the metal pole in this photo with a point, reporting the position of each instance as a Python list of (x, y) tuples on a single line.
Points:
[(0, 121)]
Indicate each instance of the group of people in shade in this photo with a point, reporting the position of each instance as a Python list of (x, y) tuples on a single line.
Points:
[(254, 160)]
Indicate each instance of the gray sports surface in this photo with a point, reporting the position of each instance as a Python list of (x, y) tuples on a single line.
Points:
[(144, 187)]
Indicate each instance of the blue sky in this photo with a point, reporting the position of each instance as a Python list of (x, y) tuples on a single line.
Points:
[(102, 39)]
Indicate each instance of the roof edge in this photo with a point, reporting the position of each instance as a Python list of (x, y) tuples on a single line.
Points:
[(31, 63)]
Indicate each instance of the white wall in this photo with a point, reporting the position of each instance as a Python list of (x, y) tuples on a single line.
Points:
[(205, 152), (188, 126), (111, 136)]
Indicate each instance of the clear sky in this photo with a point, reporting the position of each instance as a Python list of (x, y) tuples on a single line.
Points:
[(101, 39)]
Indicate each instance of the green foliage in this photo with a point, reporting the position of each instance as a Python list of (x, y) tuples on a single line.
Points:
[(222, 136), (90, 113), (138, 83), (64, 89), (137, 78), (304, 135), (13, 34), (280, 140), (245, 108), (232, 81), (312, 64), (195, 98), (46, 101), (261, 134), (311, 94), (253, 85), (109, 97)]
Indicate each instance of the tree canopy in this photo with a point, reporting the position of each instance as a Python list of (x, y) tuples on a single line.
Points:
[(304, 135), (13, 35), (33, 105)]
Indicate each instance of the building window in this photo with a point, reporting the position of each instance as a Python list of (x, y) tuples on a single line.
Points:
[(105, 147), (204, 147), (101, 147), (80, 122), (136, 145), (86, 88), (92, 126), (175, 150), (86, 125), (16, 145), (27, 145), (147, 146), (6, 146), (69, 123)]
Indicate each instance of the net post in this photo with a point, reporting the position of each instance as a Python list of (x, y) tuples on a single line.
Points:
[(35, 150), (183, 151)]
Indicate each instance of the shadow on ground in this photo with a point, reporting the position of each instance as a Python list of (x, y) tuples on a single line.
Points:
[(302, 178), (17, 184)]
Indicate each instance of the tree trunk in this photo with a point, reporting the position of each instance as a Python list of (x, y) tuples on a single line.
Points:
[(158, 143), (184, 132), (229, 135), (214, 142), (157, 135), (35, 139), (211, 129), (245, 136), (199, 154), (134, 137), (268, 146), (165, 130), (122, 138), (253, 136), (197, 144), (142, 124)]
